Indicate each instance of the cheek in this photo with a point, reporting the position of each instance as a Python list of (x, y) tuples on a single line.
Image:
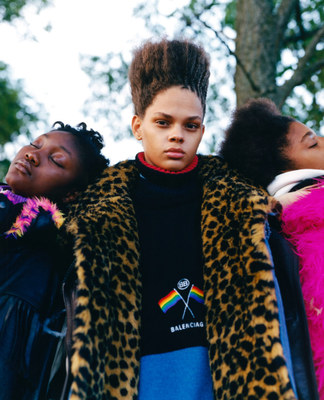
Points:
[(70, 181), (11, 175), (304, 160), (150, 144), (19, 156), (194, 144), (8, 171), (291, 154)]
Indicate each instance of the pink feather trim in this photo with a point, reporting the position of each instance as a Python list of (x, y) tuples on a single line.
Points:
[(303, 224), (30, 211)]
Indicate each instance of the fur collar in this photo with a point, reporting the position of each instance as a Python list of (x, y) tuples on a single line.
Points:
[(30, 211), (303, 224)]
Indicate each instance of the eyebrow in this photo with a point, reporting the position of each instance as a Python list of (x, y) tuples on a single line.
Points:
[(307, 134), (61, 147), (170, 116)]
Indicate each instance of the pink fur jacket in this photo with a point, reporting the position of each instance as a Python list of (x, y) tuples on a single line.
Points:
[(303, 224)]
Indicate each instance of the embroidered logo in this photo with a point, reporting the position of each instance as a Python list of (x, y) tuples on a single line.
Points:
[(183, 284), (172, 298)]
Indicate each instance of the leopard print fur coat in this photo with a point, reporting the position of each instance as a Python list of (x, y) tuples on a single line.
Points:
[(246, 356)]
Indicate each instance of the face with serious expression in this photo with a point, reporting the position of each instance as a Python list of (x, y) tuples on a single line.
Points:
[(171, 129)]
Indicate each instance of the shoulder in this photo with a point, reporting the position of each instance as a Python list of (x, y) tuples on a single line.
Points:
[(215, 172), (306, 182), (114, 185), (210, 166), (307, 212), (37, 216), (8, 212), (113, 180)]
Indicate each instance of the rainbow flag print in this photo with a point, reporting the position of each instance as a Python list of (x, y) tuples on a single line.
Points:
[(169, 300), (197, 294)]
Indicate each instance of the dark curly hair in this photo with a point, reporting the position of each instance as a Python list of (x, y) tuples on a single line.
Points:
[(89, 144), (158, 66), (255, 140)]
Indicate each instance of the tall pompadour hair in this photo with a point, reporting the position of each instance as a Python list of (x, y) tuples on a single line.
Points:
[(156, 66)]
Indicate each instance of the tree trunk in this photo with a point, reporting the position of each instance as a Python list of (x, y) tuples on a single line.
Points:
[(255, 74)]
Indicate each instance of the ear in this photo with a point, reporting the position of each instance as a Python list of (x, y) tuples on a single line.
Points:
[(137, 127), (202, 130)]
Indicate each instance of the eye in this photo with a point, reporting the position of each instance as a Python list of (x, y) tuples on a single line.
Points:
[(162, 122), (56, 162), (314, 145), (34, 145), (192, 126)]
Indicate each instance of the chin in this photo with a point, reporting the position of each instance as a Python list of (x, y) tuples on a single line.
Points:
[(174, 165)]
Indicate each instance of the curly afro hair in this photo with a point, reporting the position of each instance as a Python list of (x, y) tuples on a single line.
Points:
[(89, 144), (158, 66), (255, 140)]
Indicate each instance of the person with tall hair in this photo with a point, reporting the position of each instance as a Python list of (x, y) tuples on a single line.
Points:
[(175, 295)]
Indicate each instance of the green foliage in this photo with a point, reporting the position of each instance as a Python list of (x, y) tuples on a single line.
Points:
[(230, 14), (305, 104), (4, 165), (304, 101), (111, 91), (16, 116), (11, 9)]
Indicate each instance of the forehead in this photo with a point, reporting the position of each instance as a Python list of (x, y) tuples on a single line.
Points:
[(297, 131), (61, 139), (175, 96)]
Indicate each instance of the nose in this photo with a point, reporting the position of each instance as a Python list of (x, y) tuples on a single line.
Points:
[(176, 135), (32, 158)]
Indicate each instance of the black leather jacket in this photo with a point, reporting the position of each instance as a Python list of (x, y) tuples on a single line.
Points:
[(286, 269), (31, 309)]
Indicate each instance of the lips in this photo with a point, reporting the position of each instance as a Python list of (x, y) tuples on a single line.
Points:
[(175, 153), (23, 166)]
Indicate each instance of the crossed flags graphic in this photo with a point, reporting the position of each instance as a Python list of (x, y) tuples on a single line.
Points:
[(172, 298)]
